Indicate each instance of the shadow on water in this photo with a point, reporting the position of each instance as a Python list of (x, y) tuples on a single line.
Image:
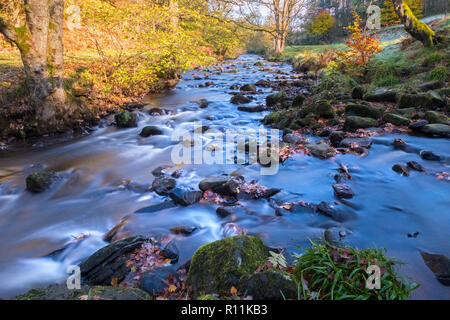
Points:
[(95, 191)]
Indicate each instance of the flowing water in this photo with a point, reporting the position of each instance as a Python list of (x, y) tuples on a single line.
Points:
[(92, 197)]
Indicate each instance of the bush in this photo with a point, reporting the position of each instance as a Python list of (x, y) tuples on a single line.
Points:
[(439, 73), (328, 272)]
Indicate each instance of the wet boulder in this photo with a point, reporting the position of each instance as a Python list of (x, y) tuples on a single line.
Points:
[(381, 95), (263, 83), (148, 131), (343, 191), (321, 108), (170, 251), (396, 119), (292, 138), (157, 207), (203, 103), (354, 143), (184, 230), (248, 88), (418, 125), (163, 185), (40, 181), (335, 214), (334, 235), (109, 262), (401, 169), (217, 266), (321, 150), (256, 108), (415, 166), (185, 196), (61, 292), (436, 129), (212, 183), (363, 110), (153, 280), (336, 137), (126, 119), (271, 285), (436, 117), (429, 155), (439, 265), (356, 122), (240, 99)]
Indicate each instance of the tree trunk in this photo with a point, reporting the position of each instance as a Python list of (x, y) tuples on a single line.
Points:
[(279, 43), (414, 26), (173, 9), (40, 43)]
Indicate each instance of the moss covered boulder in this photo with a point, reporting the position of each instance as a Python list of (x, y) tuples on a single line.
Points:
[(275, 98), (271, 285), (381, 95), (321, 108), (407, 100), (126, 119), (356, 122), (60, 292), (40, 181), (396, 119), (436, 129), (298, 100), (363, 110), (217, 266), (436, 117)]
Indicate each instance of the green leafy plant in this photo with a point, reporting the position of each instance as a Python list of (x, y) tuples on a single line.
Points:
[(277, 260)]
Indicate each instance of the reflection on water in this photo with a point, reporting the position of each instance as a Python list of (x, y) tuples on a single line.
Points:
[(94, 193)]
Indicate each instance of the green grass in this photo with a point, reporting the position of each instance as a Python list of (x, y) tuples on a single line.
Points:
[(327, 272)]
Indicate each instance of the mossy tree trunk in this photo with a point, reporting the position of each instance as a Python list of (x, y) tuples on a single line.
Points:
[(40, 42), (419, 30)]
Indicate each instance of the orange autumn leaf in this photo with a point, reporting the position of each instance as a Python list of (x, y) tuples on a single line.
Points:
[(233, 290), (172, 288)]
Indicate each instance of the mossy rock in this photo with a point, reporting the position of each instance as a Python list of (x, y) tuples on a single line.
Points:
[(381, 95), (39, 181), (407, 112), (321, 108), (298, 101), (436, 129), (407, 100), (275, 98), (355, 122), (217, 266), (363, 110), (444, 92), (271, 285), (358, 92), (435, 100), (61, 292), (436, 117), (396, 119), (126, 119)]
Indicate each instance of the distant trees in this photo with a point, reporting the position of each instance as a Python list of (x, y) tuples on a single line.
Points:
[(321, 24)]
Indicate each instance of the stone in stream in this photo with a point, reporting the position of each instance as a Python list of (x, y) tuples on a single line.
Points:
[(160, 170), (234, 87), (171, 252), (109, 262), (396, 119), (203, 103), (402, 169), (257, 108), (439, 265), (184, 230), (332, 212), (416, 166), (157, 207), (154, 280), (363, 110), (321, 150), (185, 196), (220, 265), (271, 285), (275, 98), (248, 88), (354, 143), (336, 137), (356, 122), (334, 235), (39, 181), (263, 83), (163, 185), (148, 131), (126, 119), (418, 125), (240, 99), (211, 183), (61, 292), (343, 191), (224, 212), (436, 129), (292, 138), (429, 155)]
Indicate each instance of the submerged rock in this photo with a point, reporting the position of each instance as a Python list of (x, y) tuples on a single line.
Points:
[(157, 207), (416, 166), (184, 230), (334, 235), (40, 181), (61, 292), (185, 196), (402, 169), (429, 155), (163, 185), (271, 285), (248, 88), (343, 191), (257, 108), (217, 266), (439, 265), (336, 137), (240, 99), (126, 119)]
